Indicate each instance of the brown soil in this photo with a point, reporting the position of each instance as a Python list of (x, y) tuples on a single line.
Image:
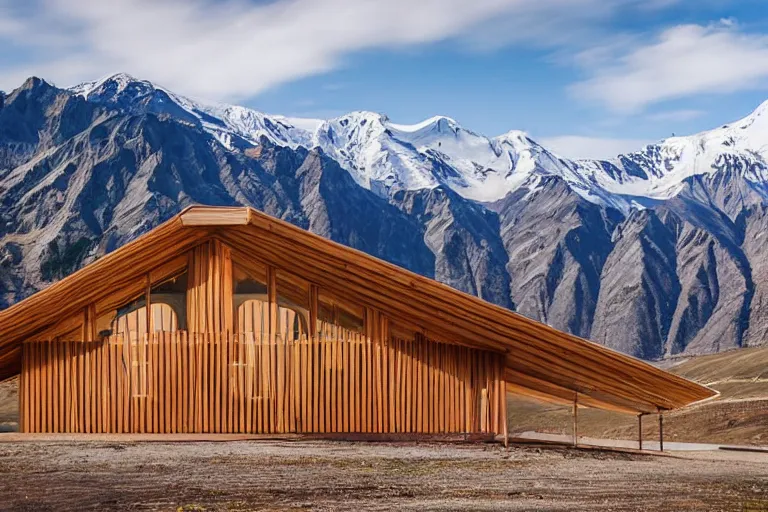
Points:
[(324, 475)]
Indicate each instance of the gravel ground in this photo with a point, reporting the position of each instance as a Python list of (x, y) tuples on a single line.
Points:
[(326, 475)]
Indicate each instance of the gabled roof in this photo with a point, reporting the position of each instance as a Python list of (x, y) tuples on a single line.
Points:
[(540, 361)]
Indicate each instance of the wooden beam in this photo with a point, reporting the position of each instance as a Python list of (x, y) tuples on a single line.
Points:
[(210, 216)]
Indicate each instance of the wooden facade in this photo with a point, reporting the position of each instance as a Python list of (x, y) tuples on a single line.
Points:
[(225, 320), (176, 382), (264, 361)]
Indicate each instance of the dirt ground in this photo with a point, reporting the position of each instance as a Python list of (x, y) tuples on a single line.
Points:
[(326, 475)]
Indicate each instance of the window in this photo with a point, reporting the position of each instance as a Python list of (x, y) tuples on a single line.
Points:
[(168, 301), (169, 304), (251, 300), (292, 306), (335, 311), (129, 320)]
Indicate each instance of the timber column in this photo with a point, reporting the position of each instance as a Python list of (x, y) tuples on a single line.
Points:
[(209, 292)]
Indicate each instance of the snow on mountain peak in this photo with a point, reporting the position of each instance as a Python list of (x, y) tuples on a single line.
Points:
[(117, 81), (384, 156)]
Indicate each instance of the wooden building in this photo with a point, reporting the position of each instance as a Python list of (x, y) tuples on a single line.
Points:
[(227, 320)]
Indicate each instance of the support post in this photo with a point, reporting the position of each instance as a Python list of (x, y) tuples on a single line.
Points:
[(575, 419), (148, 304), (504, 426), (661, 432), (640, 431)]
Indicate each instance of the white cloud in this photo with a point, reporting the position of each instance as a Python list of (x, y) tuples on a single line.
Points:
[(580, 147), (234, 49), (675, 115), (227, 49), (683, 61)]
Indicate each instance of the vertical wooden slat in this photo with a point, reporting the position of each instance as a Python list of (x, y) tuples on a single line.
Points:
[(296, 380), (23, 400), (325, 375), (204, 365), (110, 423), (401, 385), (166, 362), (316, 380), (183, 380), (305, 376), (377, 383), (152, 376), (117, 381), (173, 382), (55, 385), (96, 386), (504, 424), (81, 387), (103, 387), (34, 401), (344, 374), (364, 392), (216, 386), (33, 393), (199, 379)]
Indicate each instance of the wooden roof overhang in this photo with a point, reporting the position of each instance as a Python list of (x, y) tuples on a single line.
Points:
[(541, 361)]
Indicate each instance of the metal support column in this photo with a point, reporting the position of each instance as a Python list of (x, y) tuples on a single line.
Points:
[(661, 432), (640, 431)]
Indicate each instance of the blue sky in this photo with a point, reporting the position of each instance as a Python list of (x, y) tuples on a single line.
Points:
[(587, 77)]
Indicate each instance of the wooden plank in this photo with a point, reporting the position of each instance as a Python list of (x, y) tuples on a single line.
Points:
[(355, 372), (345, 380), (365, 397), (419, 383), (504, 418), (56, 385), (34, 401), (264, 374), (305, 419), (214, 217), (174, 399), (23, 400), (326, 390), (170, 383), (158, 372), (296, 377), (216, 387), (409, 366), (316, 380)]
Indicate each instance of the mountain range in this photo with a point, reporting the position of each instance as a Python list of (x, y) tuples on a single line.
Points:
[(655, 253)]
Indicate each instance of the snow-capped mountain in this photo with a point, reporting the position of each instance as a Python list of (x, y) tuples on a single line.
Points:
[(384, 156), (659, 170), (225, 122), (85, 170)]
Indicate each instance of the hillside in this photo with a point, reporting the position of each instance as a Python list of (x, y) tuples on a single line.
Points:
[(738, 416)]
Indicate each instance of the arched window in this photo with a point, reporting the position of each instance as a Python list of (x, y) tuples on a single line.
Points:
[(168, 301)]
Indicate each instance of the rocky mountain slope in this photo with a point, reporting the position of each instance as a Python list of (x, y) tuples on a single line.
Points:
[(654, 253)]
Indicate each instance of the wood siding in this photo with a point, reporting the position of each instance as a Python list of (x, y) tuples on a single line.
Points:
[(178, 382)]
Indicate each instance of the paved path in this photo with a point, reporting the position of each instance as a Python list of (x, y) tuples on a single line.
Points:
[(623, 443)]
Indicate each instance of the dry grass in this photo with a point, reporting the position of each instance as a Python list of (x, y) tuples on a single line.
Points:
[(738, 416), (9, 405)]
